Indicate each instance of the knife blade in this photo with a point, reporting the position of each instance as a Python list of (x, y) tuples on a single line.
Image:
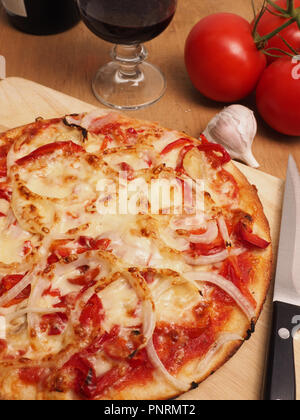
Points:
[(280, 383), (287, 280)]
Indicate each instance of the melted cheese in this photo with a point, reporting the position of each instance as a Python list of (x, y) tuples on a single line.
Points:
[(134, 160), (120, 302), (176, 304), (4, 207), (63, 272), (57, 181), (12, 241), (100, 364)]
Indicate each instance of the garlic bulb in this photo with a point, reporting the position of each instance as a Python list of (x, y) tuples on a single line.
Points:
[(234, 128)]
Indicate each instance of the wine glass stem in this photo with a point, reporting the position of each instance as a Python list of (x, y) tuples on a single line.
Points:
[(128, 58)]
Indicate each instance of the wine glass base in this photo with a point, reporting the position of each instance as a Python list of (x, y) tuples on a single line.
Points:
[(129, 91)]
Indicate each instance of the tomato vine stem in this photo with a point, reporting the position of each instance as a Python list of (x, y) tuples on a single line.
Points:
[(291, 13)]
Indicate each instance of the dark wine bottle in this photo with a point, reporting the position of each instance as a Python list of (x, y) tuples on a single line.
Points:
[(42, 17)]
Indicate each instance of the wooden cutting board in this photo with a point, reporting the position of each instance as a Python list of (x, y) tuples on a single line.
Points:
[(21, 101)]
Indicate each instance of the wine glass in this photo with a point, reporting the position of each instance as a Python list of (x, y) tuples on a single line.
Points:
[(128, 82)]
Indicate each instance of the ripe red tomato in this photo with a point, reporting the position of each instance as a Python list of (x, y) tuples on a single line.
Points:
[(222, 59), (278, 96), (269, 22)]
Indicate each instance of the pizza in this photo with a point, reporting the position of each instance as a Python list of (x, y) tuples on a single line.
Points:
[(134, 259)]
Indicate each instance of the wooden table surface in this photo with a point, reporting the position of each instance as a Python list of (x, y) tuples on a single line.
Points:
[(68, 61)]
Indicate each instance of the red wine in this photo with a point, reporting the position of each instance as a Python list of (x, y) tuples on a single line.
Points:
[(127, 21), (42, 17)]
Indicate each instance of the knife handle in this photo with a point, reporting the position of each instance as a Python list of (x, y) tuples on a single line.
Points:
[(280, 378)]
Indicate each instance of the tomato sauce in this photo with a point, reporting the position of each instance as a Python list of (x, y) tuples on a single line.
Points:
[(92, 313), (54, 324), (213, 248), (215, 153), (5, 192), (3, 346), (32, 375), (176, 345), (3, 156), (239, 271), (7, 283)]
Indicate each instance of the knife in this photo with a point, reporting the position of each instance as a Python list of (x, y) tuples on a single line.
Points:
[(280, 381)]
